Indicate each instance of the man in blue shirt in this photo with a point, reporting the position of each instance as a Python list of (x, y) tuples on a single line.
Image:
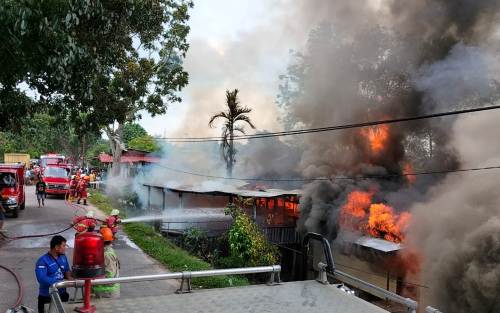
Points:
[(51, 268)]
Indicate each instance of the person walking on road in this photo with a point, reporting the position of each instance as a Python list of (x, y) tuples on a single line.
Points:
[(51, 268), (111, 265), (41, 187)]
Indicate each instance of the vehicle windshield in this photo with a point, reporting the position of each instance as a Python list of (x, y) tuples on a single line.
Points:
[(55, 172), (51, 161), (7, 180)]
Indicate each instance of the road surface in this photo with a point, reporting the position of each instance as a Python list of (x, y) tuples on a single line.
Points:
[(21, 255)]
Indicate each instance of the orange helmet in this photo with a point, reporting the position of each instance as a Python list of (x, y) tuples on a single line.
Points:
[(107, 234)]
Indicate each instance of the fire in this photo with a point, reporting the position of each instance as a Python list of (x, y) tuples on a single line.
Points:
[(357, 201), (377, 219), (383, 223), (409, 172), (377, 137)]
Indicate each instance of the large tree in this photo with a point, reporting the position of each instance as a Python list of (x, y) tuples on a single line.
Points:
[(106, 59), (235, 113)]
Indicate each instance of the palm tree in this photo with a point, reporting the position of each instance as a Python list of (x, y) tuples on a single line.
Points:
[(235, 113)]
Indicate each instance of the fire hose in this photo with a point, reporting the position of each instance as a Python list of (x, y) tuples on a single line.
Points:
[(35, 236), (19, 286)]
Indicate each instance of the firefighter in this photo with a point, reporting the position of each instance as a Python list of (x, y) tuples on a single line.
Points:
[(111, 266), (113, 220), (82, 190), (73, 184), (84, 223)]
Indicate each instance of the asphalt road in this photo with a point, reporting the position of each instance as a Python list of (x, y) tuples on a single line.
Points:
[(21, 255)]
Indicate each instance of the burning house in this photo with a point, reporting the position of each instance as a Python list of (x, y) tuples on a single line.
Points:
[(275, 210), (382, 60)]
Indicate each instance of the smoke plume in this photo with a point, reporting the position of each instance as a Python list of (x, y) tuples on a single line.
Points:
[(457, 228)]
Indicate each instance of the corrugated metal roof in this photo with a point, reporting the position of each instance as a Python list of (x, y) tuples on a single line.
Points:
[(378, 244), (106, 158), (369, 242), (227, 190)]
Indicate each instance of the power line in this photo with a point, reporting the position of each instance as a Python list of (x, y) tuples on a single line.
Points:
[(328, 128), (436, 172)]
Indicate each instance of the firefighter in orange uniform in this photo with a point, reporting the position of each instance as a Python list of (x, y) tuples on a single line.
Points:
[(73, 184), (113, 220), (84, 223), (82, 190)]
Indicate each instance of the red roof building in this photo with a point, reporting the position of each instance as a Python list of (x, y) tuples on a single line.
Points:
[(131, 156)]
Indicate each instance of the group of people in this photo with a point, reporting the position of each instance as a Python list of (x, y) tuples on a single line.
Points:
[(53, 266), (78, 188)]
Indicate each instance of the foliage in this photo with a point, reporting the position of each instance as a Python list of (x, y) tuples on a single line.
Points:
[(132, 131), (144, 143), (247, 242), (107, 60), (164, 251), (196, 241), (235, 113), (100, 146), (43, 133), (175, 258)]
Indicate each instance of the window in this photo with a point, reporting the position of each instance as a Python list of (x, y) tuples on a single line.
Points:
[(55, 172), (7, 180)]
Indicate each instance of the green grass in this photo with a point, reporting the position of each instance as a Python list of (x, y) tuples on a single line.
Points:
[(164, 251)]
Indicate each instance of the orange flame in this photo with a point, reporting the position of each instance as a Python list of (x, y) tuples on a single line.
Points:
[(383, 223), (357, 202), (377, 137), (409, 172), (377, 219)]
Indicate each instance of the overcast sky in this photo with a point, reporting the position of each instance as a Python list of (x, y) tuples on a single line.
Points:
[(234, 44)]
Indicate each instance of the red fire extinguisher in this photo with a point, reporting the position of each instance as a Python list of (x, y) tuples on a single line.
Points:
[(88, 263)]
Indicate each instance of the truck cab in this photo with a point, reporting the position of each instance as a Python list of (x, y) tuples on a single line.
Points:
[(12, 194), (57, 179), (51, 159)]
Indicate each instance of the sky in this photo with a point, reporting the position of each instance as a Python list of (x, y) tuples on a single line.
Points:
[(233, 44)]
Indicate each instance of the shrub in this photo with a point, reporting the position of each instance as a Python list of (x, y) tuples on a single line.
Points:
[(247, 242)]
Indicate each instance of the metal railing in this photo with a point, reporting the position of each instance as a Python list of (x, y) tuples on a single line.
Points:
[(331, 271), (56, 305)]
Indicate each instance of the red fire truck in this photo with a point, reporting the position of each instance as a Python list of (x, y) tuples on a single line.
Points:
[(52, 159), (57, 179), (12, 195)]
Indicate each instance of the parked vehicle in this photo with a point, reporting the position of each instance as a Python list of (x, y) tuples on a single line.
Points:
[(17, 158), (57, 179), (12, 194), (52, 159)]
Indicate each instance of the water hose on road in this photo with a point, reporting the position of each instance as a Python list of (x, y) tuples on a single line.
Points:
[(68, 203), (34, 236), (19, 285)]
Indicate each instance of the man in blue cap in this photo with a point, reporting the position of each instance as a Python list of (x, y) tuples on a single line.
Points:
[(51, 268)]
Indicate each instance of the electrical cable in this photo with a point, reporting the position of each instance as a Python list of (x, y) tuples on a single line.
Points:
[(328, 128), (19, 285), (385, 176)]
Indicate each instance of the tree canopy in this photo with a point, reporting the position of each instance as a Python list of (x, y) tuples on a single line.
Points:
[(132, 131), (100, 63), (144, 143)]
